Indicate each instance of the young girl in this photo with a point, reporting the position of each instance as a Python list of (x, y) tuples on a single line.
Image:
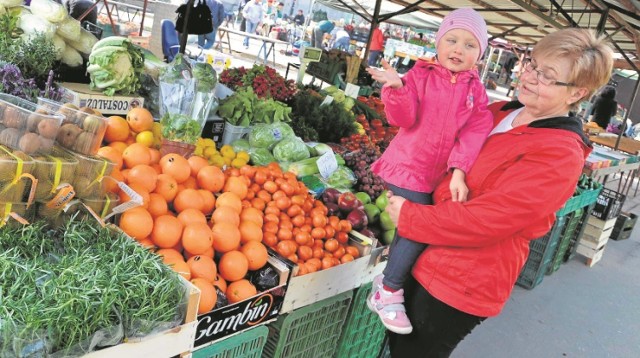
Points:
[(441, 109)]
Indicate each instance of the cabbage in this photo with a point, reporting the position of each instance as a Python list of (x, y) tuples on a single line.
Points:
[(69, 29), (85, 42), (240, 145), (290, 149), (11, 3), (71, 57), (342, 178), (59, 44), (30, 24), (49, 10), (261, 156), (115, 65), (267, 135)]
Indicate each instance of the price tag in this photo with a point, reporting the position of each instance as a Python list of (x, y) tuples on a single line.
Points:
[(406, 60), (327, 164), (352, 90), (327, 100)]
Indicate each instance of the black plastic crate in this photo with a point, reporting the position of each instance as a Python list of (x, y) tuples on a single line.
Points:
[(624, 226), (608, 204), (540, 255)]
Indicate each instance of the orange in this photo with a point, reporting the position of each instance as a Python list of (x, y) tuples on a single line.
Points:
[(155, 156), (167, 231), (117, 130), (136, 154), (180, 267), (240, 291), (196, 163), (252, 214), (136, 222), (229, 199), (233, 266), (145, 175), (211, 178), (209, 253), (112, 154), (203, 267), (226, 237), (157, 205), (209, 201), (169, 254), (192, 216), (225, 214), (256, 254), (176, 166), (236, 185), (167, 187), (190, 183), (119, 146), (208, 295), (250, 231), (111, 185), (188, 198), (196, 238), (139, 119)]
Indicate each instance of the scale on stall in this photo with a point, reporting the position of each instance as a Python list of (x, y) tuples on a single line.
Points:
[(307, 55)]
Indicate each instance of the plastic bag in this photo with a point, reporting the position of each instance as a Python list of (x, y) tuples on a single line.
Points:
[(268, 135), (177, 87), (261, 156), (342, 179), (264, 279), (290, 149)]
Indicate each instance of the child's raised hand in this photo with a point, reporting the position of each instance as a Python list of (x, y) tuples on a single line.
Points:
[(387, 76), (457, 186)]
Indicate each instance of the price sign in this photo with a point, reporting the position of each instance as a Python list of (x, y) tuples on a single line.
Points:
[(327, 100), (352, 90), (327, 164)]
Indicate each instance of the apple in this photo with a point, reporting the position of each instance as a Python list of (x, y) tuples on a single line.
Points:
[(358, 219), (385, 221), (388, 236), (382, 201), (363, 197), (372, 212)]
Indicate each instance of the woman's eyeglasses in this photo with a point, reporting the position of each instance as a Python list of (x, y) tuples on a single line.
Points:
[(542, 77)]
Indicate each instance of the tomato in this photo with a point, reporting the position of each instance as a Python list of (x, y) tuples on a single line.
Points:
[(331, 245)]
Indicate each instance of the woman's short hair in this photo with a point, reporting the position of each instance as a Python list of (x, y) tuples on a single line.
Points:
[(592, 56)]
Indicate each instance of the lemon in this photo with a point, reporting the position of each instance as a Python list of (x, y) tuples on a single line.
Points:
[(208, 142), (227, 160), (243, 155), (209, 151), (227, 151), (199, 151), (217, 161), (238, 163), (145, 138)]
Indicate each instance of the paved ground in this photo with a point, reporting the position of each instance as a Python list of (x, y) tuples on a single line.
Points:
[(576, 312)]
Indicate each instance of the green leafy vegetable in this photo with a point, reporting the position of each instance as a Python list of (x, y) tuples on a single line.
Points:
[(290, 150), (115, 65), (180, 128)]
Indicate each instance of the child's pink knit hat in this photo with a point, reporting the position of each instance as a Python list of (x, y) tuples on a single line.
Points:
[(466, 19)]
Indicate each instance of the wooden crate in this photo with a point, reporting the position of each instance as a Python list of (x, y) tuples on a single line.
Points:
[(601, 224), (595, 234), (593, 256), (170, 343)]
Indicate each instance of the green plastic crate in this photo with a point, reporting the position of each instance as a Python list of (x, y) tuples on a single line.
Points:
[(570, 230), (310, 331), (247, 344), (573, 242), (540, 254), (363, 332)]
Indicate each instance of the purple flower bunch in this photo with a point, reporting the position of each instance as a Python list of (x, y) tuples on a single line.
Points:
[(12, 82)]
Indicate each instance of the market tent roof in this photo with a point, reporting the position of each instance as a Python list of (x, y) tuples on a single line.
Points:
[(524, 22), (365, 9)]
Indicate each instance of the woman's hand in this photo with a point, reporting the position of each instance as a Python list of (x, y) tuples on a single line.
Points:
[(394, 207), (388, 76), (459, 190)]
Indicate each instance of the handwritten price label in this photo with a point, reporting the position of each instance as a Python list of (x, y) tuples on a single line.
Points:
[(327, 100), (327, 164), (352, 90)]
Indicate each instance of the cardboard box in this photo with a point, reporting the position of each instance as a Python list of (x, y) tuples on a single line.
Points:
[(259, 309), (82, 96)]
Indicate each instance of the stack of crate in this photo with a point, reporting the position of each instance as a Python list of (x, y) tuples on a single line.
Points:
[(595, 237)]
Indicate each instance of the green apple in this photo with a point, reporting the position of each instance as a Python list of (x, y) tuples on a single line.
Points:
[(388, 236), (372, 212), (382, 201), (385, 221), (363, 197)]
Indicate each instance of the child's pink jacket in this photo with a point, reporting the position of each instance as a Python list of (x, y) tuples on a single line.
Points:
[(443, 120)]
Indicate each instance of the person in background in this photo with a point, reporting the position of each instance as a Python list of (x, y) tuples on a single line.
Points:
[(441, 109), (253, 13), (280, 11), (243, 24), (525, 172), (207, 41), (341, 40), (78, 7), (605, 107), (515, 75), (299, 18), (376, 47), (323, 27)]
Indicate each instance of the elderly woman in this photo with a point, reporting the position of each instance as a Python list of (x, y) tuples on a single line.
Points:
[(526, 170)]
